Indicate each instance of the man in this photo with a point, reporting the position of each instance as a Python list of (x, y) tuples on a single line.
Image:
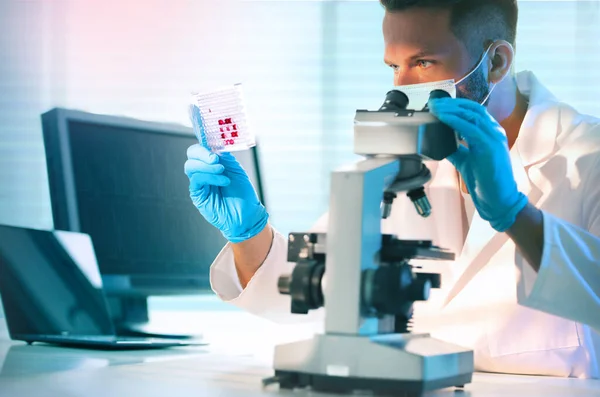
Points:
[(523, 210)]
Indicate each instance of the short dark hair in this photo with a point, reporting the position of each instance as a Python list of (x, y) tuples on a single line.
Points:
[(475, 22)]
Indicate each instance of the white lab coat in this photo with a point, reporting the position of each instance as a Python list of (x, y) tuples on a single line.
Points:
[(515, 320)]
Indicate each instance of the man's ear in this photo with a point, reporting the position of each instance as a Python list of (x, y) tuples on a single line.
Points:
[(501, 56)]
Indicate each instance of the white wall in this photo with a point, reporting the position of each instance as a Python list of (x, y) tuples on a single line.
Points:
[(142, 59)]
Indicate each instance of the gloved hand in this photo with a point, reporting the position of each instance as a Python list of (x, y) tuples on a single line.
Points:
[(222, 191), (484, 163)]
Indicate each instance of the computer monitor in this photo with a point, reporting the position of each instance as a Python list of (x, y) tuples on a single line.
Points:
[(122, 181)]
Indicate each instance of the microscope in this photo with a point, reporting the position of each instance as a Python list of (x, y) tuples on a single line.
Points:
[(363, 278)]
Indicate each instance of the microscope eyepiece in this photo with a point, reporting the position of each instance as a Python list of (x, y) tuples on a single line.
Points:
[(438, 94), (394, 101)]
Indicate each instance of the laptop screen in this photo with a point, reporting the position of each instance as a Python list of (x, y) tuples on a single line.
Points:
[(50, 284)]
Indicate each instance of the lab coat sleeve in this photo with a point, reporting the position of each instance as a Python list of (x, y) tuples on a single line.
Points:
[(261, 296), (568, 281)]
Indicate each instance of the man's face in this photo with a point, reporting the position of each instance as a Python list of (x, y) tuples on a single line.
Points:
[(420, 46)]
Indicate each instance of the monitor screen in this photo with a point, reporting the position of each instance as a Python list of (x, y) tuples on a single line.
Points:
[(124, 185)]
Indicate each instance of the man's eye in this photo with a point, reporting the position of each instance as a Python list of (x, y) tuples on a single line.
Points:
[(394, 67), (424, 64)]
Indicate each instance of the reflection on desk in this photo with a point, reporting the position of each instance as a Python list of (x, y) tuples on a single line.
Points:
[(214, 374), (20, 360), (233, 365)]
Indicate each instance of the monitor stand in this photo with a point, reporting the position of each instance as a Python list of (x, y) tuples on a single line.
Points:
[(130, 317)]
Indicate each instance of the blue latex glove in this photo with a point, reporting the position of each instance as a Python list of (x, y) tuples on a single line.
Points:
[(222, 191), (484, 163)]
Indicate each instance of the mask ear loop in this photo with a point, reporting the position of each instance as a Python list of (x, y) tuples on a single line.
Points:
[(494, 85), (483, 56), (476, 67)]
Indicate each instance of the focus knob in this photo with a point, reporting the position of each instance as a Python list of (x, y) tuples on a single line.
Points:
[(284, 284), (419, 290)]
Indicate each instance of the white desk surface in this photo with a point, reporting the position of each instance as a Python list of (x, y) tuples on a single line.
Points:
[(238, 358)]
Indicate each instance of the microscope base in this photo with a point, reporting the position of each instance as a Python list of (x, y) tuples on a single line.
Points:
[(399, 364), (378, 387)]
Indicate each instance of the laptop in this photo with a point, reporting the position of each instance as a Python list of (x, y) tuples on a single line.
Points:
[(51, 290)]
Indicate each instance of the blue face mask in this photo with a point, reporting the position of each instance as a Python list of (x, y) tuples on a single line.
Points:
[(418, 94)]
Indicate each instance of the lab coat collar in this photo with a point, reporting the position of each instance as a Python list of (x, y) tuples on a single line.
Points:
[(537, 137)]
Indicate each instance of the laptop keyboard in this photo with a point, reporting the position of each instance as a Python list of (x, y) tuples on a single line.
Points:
[(96, 338), (110, 340)]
